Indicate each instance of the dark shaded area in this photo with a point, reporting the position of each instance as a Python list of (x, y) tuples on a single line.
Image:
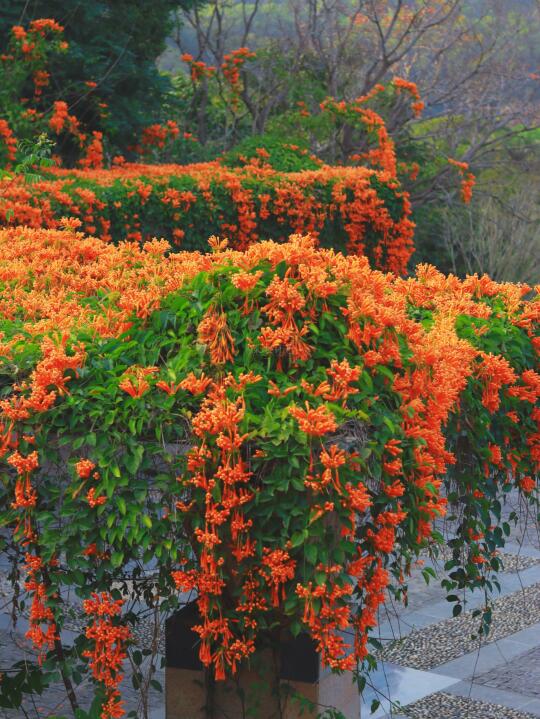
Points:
[(298, 655), (113, 43)]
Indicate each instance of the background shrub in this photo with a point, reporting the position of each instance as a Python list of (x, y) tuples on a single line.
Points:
[(355, 209)]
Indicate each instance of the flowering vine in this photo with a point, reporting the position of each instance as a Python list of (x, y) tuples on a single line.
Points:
[(272, 428)]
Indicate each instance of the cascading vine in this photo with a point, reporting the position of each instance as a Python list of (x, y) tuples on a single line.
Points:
[(276, 429)]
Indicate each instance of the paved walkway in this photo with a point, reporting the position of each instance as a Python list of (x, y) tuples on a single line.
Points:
[(436, 671), (431, 668), (437, 656)]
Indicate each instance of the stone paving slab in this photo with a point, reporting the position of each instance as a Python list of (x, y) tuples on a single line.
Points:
[(521, 675), (428, 605), (448, 706), (496, 654), (439, 643), (508, 698), (392, 684)]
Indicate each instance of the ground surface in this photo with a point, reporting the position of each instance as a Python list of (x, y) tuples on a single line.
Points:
[(430, 664)]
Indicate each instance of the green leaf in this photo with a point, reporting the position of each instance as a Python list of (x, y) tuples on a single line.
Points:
[(298, 538), (117, 558)]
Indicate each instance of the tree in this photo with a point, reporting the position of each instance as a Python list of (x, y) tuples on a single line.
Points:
[(475, 65), (109, 77)]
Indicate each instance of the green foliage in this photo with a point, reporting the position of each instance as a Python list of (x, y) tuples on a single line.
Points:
[(270, 149), (33, 156), (114, 43)]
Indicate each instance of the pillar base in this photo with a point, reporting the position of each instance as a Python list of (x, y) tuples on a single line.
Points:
[(251, 696), (302, 691)]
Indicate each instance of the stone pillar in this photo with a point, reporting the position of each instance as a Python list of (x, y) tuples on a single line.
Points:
[(255, 692)]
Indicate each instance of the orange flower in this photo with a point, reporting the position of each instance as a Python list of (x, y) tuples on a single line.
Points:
[(170, 388), (278, 568), (342, 375), (10, 142), (246, 281), (195, 385), (84, 468), (134, 388), (495, 454), (396, 489), (314, 422), (527, 484), (494, 371), (24, 465), (108, 652), (25, 494), (134, 382), (93, 157), (468, 179), (40, 612), (214, 332), (359, 497), (94, 501)]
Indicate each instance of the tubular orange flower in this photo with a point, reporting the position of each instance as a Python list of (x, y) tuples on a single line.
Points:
[(527, 484), (314, 422), (84, 468), (94, 501), (278, 568), (108, 654), (25, 494), (9, 140), (494, 371), (214, 332), (24, 465), (134, 382)]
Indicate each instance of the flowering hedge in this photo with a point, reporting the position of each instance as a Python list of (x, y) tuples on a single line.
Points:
[(276, 428), (358, 209)]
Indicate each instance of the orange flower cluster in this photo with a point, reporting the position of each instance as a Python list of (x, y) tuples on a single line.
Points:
[(468, 180), (383, 155), (8, 139), (60, 119), (218, 460), (32, 45), (108, 654), (93, 157), (406, 85), (314, 422), (495, 371), (40, 612), (115, 203), (214, 332), (30, 51), (288, 517), (157, 135), (197, 68), (25, 494), (231, 66), (94, 501), (27, 40), (84, 468), (45, 26), (135, 382), (41, 79)]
